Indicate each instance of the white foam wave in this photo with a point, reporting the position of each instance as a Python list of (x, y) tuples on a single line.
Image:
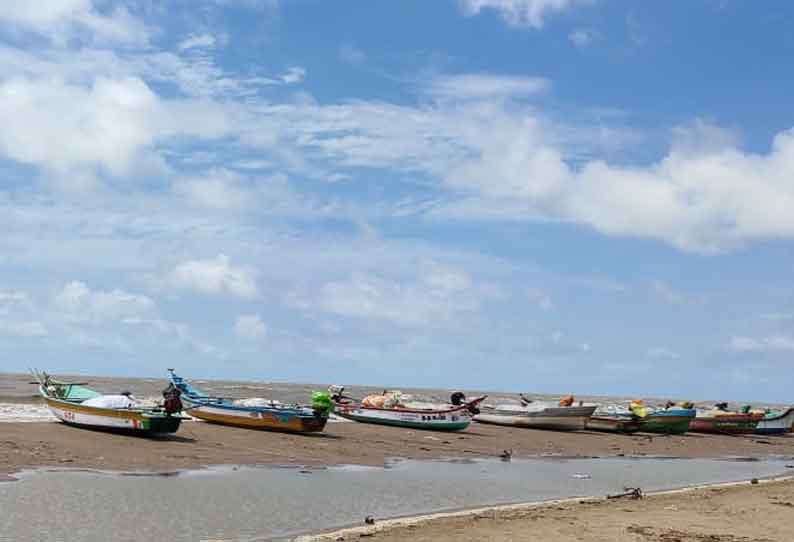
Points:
[(24, 412)]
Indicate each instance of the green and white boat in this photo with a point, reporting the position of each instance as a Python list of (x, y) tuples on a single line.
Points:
[(75, 404)]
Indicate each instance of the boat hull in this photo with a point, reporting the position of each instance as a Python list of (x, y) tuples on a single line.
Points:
[(259, 419), (434, 421), (776, 425), (559, 419), (289, 419), (736, 424), (668, 422), (607, 424), (128, 421)]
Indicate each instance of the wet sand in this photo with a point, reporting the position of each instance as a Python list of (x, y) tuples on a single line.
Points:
[(198, 444), (741, 513)]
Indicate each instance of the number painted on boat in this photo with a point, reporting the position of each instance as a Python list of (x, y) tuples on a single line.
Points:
[(68, 415)]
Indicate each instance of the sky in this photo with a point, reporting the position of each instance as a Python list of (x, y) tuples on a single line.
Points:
[(588, 196)]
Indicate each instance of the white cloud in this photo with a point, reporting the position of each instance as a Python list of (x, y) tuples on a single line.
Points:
[(671, 295), (219, 189), (13, 300), (696, 200), (60, 20), (23, 329), (777, 316), (83, 303), (435, 297), (177, 329), (198, 41), (478, 86), (762, 344), (215, 276), (250, 326), (540, 298), (61, 126), (662, 353), (254, 4), (352, 55), (179, 332), (294, 74), (581, 38), (530, 13)]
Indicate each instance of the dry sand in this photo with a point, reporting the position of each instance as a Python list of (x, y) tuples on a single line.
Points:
[(197, 444), (742, 513)]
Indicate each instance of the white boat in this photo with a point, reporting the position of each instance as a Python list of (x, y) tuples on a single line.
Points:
[(452, 417), (74, 404), (777, 423), (537, 416)]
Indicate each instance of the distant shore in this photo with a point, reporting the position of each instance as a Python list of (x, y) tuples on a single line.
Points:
[(198, 444), (741, 512)]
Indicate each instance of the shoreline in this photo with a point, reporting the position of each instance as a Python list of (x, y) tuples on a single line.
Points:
[(418, 521), (436, 526), (26, 445)]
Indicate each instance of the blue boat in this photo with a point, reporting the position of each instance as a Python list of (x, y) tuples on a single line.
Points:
[(271, 416)]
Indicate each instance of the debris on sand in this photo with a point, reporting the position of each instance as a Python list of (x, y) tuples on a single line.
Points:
[(629, 492)]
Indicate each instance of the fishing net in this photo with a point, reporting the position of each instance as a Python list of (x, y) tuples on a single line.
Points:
[(321, 401)]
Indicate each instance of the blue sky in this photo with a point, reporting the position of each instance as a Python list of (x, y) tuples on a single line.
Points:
[(543, 195)]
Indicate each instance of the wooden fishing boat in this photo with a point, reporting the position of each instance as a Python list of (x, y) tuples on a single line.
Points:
[(560, 418), (731, 423), (776, 423), (271, 417), (674, 421), (454, 417), (73, 404), (613, 424)]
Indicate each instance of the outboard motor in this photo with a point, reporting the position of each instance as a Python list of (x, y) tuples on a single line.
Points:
[(173, 402), (457, 398), (338, 394)]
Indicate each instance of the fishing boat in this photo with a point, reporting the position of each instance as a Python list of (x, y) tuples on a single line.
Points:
[(671, 421), (538, 415), (75, 404), (776, 423), (388, 409), (720, 420), (252, 413), (613, 424)]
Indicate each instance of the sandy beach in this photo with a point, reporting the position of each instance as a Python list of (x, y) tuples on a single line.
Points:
[(197, 444), (736, 513)]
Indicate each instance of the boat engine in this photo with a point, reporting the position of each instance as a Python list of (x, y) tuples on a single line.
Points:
[(338, 394), (173, 402), (457, 398)]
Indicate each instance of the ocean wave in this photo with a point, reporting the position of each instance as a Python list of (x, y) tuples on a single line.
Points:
[(21, 412)]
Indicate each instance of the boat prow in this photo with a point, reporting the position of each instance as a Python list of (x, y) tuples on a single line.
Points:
[(776, 424)]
